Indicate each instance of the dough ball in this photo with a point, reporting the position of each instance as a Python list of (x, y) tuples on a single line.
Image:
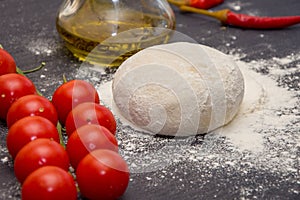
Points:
[(178, 89)]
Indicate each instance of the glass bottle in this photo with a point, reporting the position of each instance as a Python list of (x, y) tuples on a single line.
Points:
[(107, 32)]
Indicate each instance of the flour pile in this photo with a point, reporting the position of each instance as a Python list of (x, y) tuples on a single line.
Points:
[(264, 135)]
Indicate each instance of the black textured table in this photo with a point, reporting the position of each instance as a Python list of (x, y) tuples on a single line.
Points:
[(27, 31)]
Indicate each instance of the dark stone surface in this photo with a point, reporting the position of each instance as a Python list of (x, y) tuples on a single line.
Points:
[(31, 23)]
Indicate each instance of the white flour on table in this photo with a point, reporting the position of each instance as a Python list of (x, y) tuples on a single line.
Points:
[(264, 135)]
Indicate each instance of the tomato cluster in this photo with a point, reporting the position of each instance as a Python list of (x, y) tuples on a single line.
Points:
[(42, 160)]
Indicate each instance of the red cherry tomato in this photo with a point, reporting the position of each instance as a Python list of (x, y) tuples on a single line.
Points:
[(7, 63), (28, 129), (89, 138), (102, 174), (90, 113), (48, 183), (31, 105), (12, 87), (38, 153), (70, 94)]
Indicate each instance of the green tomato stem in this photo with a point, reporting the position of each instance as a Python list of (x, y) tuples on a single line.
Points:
[(35, 69), (64, 78), (61, 140), (19, 71)]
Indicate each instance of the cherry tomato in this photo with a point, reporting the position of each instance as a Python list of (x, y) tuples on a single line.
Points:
[(48, 183), (102, 174), (12, 87), (7, 63), (28, 129), (70, 94), (38, 153), (89, 138), (31, 105), (90, 113)]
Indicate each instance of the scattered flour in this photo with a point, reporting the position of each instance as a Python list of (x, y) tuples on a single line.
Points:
[(42, 46), (264, 134), (258, 112)]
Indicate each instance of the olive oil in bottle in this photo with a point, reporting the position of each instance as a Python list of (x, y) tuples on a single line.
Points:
[(107, 34)]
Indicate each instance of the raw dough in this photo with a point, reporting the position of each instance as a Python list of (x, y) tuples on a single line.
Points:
[(178, 89)]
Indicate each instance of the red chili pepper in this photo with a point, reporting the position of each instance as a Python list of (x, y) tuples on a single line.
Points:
[(246, 21), (204, 4)]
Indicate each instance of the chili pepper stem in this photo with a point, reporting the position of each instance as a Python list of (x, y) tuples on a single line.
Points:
[(177, 3), (220, 14), (1, 47)]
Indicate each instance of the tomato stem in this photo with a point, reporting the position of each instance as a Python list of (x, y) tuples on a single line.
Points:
[(64, 78), (19, 71), (61, 140), (35, 69)]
